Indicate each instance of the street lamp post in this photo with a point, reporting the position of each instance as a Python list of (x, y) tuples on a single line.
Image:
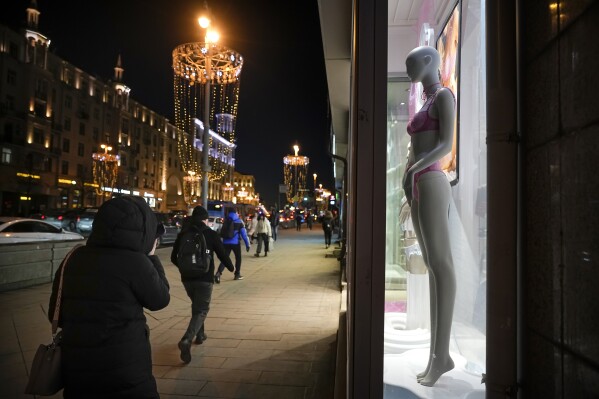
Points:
[(210, 38), (314, 175), (296, 149)]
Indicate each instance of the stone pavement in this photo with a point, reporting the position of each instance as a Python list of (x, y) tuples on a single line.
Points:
[(271, 335)]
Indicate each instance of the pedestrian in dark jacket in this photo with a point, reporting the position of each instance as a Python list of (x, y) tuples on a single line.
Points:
[(107, 284), (327, 227), (234, 244), (199, 287)]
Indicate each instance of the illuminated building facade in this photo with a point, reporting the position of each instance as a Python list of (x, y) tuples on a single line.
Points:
[(54, 117)]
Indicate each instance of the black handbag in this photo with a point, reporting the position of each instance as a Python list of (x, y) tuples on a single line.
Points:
[(45, 378)]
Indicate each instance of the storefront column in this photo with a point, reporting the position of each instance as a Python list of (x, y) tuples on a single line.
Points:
[(503, 135), (367, 191)]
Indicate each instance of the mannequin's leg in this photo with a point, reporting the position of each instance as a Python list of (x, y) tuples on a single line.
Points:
[(434, 225), (416, 223)]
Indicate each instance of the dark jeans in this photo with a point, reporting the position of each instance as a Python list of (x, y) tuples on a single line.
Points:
[(236, 248), (298, 225), (327, 236), (200, 293), (262, 238)]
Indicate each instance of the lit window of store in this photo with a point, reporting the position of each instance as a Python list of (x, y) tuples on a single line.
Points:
[(419, 288)]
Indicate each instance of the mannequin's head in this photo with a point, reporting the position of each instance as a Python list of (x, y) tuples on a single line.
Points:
[(422, 63)]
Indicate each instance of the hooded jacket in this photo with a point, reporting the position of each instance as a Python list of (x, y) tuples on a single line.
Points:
[(213, 243), (239, 231), (107, 284)]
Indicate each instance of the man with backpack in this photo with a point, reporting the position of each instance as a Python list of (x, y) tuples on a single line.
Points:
[(231, 231), (193, 253)]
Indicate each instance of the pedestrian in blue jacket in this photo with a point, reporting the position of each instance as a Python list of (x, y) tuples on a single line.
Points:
[(234, 244)]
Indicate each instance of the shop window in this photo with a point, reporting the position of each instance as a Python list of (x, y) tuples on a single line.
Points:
[(407, 312)]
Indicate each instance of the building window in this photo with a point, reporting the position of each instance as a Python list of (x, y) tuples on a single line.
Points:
[(10, 103), (96, 113), (96, 134), (82, 128), (11, 77), (38, 136), (6, 155), (66, 145), (80, 171), (39, 110), (67, 124), (68, 102), (13, 50), (64, 167), (125, 125), (80, 149)]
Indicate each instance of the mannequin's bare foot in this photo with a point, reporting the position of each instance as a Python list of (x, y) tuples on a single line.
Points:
[(420, 376), (437, 370)]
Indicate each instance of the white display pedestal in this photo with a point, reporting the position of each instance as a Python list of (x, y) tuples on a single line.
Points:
[(399, 377), (418, 302)]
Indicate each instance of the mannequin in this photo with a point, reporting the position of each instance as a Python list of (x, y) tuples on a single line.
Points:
[(428, 192)]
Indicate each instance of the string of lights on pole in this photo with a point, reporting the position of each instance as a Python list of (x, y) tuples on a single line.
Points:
[(295, 170), (105, 169), (206, 95)]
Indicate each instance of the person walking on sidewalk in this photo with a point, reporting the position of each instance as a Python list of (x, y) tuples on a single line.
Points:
[(327, 226), (108, 282), (264, 232), (298, 221), (274, 223), (198, 285), (308, 217), (251, 229), (234, 244)]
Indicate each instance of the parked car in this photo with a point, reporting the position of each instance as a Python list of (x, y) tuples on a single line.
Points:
[(171, 227), (79, 220), (215, 223), (52, 216), (15, 230)]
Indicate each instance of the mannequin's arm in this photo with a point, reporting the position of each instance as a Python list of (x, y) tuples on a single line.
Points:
[(407, 178)]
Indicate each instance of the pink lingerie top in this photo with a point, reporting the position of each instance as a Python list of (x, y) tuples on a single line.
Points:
[(422, 122)]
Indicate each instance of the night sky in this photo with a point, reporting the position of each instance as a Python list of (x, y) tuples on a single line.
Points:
[(283, 94)]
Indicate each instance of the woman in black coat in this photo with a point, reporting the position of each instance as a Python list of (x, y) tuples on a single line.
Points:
[(107, 284)]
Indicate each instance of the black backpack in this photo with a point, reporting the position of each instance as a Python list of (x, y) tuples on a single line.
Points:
[(194, 256), (228, 228)]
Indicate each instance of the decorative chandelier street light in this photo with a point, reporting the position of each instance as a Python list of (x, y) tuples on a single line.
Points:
[(191, 187), (206, 77), (295, 169), (105, 170)]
